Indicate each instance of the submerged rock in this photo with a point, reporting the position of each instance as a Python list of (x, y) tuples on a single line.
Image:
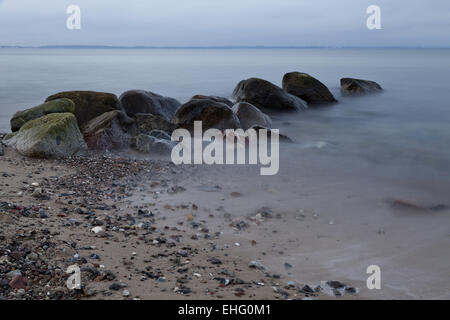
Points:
[(352, 86), (111, 130), (52, 136), (89, 104), (213, 98), (140, 101), (250, 116), (55, 106), (146, 123), (148, 144), (213, 114), (265, 95), (308, 88)]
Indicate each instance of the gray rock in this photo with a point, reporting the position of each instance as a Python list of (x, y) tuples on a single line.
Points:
[(111, 130), (250, 116), (140, 101), (151, 145), (213, 114), (308, 88), (52, 136), (213, 98), (1, 150), (146, 123), (350, 86), (266, 96)]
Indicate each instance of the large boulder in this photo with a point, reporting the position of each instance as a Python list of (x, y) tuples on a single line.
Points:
[(56, 106), (266, 96), (145, 123), (213, 98), (55, 135), (89, 104), (111, 130), (213, 114), (308, 88), (250, 116), (350, 86), (151, 145), (139, 101)]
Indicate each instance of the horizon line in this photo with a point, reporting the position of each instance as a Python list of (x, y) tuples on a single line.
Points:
[(216, 47)]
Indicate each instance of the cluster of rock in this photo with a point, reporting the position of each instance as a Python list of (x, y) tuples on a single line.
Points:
[(70, 123)]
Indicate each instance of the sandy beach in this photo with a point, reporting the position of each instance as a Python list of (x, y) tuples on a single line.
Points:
[(195, 232)]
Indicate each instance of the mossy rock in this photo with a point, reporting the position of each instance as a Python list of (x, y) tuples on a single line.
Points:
[(55, 135), (308, 88), (56, 106), (89, 104)]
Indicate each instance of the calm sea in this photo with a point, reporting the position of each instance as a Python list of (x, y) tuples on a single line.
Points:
[(405, 129)]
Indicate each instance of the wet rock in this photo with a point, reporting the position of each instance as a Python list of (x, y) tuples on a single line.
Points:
[(350, 86), (257, 265), (266, 96), (146, 123), (56, 106), (250, 116), (111, 130), (214, 98), (139, 101), (89, 104), (271, 132), (148, 144), (52, 136), (213, 114), (307, 88)]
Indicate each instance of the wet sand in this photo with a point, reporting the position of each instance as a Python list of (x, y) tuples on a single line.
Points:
[(166, 229)]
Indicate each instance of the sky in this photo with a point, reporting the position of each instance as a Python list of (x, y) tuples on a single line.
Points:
[(335, 23)]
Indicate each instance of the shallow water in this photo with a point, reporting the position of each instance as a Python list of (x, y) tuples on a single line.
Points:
[(403, 131)]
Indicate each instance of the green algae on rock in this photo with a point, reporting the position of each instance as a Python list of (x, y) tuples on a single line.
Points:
[(55, 135), (56, 106)]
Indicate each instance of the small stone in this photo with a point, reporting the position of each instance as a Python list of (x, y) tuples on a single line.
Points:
[(126, 293)]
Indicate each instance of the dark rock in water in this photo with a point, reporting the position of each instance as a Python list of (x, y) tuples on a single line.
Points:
[(140, 101), (266, 96), (213, 98), (213, 114), (412, 207), (352, 86), (308, 88), (147, 144), (89, 104), (55, 135), (55, 106), (250, 116), (270, 132), (146, 123), (111, 130)]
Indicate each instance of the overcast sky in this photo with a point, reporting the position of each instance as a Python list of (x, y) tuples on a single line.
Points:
[(225, 23)]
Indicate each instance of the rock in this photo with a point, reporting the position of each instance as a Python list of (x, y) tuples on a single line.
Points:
[(148, 144), (97, 230), (270, 132), (308, 88), (89, 104), (213, 98), (126, 293), (1, 150), (146, 123), (18, 282), (350, 86), (55, 135), (56, 106), (212, 114), (139, 101), (257, 265), (111, 130), (250, 116), (266, 96)]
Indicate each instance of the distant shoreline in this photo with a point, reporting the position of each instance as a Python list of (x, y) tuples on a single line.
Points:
[(206, 47)]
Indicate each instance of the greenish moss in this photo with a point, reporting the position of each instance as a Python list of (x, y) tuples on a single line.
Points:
[(56, 106)]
